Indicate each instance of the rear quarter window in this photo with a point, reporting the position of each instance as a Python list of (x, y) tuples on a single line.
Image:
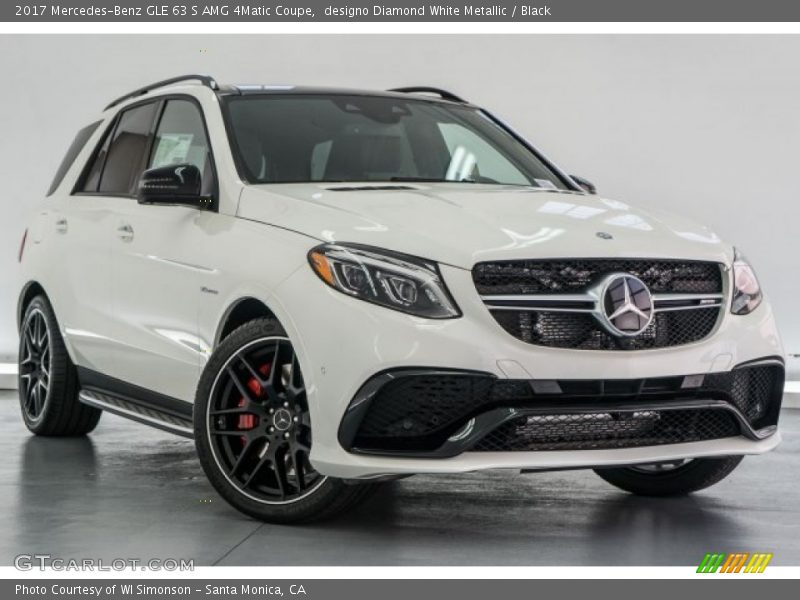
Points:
[(72, 152)]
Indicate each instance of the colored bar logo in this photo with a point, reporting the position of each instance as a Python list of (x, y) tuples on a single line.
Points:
[(738, 562)]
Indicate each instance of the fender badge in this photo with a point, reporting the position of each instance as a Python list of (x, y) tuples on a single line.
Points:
[(604, 236)]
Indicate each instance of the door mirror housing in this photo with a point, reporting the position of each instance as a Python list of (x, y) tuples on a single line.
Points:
[(586, 185), (173, 184)]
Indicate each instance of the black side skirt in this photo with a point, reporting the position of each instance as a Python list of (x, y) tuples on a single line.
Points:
[(135, 403)]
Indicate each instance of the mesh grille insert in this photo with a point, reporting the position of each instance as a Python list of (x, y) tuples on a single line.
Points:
[(571, 276), (752, 390), (605, 430), (582, 331)]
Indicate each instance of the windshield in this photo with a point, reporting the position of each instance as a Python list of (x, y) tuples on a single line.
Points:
[(337, 138)]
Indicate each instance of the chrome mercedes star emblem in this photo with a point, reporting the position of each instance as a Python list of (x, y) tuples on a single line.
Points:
[(627, 305), (282, 419)]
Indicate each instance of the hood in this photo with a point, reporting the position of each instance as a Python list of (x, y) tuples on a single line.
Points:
[(462, 224)]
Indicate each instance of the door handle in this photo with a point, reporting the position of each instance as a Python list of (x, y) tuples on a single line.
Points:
[(125, 233), (61, 225)]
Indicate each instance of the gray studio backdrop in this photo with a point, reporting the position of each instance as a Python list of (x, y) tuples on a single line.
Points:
[(707, 126)]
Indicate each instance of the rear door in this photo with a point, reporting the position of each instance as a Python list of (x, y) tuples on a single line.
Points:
[(84, 231)]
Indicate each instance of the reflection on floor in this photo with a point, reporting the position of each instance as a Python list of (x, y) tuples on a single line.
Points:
[(131, 491)]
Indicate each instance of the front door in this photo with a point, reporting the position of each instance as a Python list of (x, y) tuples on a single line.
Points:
[(157, 276)]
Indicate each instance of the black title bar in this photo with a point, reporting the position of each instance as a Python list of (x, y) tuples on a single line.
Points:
[(173, 11)]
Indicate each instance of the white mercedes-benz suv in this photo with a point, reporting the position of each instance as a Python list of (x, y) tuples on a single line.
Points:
[(329, 288)]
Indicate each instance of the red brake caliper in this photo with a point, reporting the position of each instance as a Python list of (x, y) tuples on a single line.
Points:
[(248, 421)]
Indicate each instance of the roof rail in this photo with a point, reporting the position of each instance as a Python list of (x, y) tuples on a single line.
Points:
[(206, 80), (443, 94)]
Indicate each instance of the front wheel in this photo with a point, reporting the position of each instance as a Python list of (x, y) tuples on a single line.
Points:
[(674, 478), (253, 431)]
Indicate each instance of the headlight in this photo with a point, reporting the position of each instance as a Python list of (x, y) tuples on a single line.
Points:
[(746, 290), (396, 281)]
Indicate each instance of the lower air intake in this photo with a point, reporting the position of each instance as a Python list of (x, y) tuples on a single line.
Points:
[(417, 412), (609, 430)]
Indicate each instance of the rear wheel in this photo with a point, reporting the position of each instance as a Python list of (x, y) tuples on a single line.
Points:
[(48, 382), (675, 478), (253, 431)]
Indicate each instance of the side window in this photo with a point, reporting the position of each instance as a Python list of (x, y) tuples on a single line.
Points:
[(181, 139), (125, 159), (92, 177), (72, 152), (473, 158), (119, 160)]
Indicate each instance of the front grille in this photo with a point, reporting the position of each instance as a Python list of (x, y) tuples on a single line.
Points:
[(418, 412), (570, 276), (609, 430), (581, 329)]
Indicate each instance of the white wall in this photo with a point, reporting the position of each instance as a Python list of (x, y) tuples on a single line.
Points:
[(707, 126)]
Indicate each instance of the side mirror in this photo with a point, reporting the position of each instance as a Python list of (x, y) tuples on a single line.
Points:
[(173, 184), (586, 185)]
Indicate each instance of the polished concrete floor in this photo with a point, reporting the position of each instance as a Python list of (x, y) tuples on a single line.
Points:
[(128, 491)]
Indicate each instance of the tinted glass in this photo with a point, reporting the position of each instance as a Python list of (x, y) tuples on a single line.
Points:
[(181, 139), (124, 162), (283, 139), (92, 177), (72, 152)]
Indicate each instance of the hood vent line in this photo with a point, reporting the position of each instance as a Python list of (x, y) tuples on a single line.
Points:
[(370, 188)]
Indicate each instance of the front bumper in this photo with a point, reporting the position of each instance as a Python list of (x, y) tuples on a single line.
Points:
[(366, 467), (440, 414), (343, 343)]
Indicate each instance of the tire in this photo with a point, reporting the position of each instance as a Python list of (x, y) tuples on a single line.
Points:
[(253, 431), (48, 381), (692, 476)]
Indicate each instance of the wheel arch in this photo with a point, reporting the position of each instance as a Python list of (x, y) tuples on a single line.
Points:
[(29, 291), (241, 311)]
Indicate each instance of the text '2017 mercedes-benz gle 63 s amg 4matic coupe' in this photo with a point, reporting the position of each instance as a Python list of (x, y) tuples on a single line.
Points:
[(330, 288)]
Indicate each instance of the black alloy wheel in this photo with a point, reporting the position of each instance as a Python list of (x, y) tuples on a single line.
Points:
[(671, 478), (35, 364), (258, 423), (660, 467), (47, 380), (253, 431)]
